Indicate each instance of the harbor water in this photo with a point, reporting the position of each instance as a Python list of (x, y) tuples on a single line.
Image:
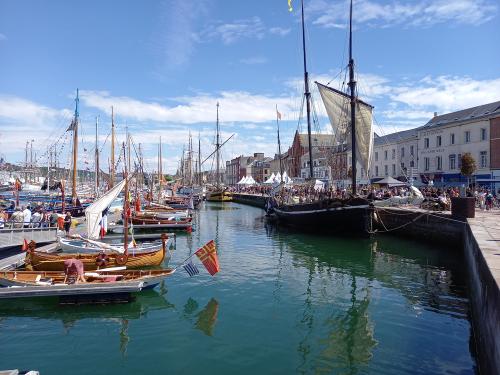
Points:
[(282, 303)]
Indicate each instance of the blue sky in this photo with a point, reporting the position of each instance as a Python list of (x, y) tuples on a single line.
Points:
[(163, 65)]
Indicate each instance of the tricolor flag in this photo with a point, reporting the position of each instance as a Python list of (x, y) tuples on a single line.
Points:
[(208, 256), (191, 269)]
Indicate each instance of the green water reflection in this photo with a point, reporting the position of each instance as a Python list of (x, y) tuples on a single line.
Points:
[(282, 303)]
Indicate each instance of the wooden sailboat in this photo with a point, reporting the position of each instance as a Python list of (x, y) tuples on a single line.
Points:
[(218, 194), (336, 215)]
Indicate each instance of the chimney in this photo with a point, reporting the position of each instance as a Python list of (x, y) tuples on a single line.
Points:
[(435, 114)]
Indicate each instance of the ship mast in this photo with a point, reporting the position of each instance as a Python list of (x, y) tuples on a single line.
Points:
[(352, 89), (199, 160), (279, 143), (112, 182), (96, 157), (308, 96), (217, 156), (75, 149)]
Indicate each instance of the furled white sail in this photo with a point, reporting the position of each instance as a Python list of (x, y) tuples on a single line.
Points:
[(93, 213), (337, 105)]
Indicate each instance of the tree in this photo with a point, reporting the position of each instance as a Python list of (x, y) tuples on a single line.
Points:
[(468, 166)]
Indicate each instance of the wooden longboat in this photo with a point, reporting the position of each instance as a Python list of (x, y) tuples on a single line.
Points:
[(219, 196), (51, 283), (41, 261), (138, 220)]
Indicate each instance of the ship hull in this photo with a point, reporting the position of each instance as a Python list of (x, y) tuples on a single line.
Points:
[(334, 220)]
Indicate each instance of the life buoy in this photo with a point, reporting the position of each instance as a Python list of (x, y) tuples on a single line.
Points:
[(121, 259), (101, 260)]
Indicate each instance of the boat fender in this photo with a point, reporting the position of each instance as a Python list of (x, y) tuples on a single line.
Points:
[(121, 259), (101, 260)]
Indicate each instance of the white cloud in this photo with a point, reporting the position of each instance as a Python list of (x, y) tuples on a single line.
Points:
[(252, 28), (279, 31), (254, 60), (234, 106), (422, 13)]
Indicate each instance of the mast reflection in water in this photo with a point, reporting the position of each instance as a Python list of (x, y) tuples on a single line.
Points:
[(283, 302)]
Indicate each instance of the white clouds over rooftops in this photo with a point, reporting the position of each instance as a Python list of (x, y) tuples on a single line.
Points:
[(421, 13)]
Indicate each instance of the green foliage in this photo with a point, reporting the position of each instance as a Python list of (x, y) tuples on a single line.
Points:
[(468, 165)]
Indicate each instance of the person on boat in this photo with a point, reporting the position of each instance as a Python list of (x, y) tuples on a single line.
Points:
[(73, 271), (26, 217), (67, 223)]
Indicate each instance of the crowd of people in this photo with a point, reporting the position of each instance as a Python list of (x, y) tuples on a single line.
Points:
[(24, 217), (486, 199)]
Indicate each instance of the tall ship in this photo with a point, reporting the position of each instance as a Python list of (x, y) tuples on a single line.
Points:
[(218, 192), (350, 118)]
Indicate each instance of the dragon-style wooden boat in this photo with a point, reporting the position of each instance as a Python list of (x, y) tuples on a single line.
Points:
[(41, 261)]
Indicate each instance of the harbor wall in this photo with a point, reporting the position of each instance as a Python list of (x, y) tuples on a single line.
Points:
[(436, 227), (484, 294), (250, 199)]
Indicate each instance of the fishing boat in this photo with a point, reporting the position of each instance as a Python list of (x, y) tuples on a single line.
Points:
[(52, 283), (348, 115), (218, 193)]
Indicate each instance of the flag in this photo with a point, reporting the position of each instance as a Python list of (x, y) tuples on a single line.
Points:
[(208, 256), (278, 114), (191, 269), (290, 5), (25, 245)]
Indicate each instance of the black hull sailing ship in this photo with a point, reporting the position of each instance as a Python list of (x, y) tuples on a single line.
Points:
[(350, 118)]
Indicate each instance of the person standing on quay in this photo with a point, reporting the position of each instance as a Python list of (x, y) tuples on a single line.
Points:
[(67, 223)]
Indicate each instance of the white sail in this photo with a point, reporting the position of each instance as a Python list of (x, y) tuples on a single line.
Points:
[(93, 213), (337, 105)]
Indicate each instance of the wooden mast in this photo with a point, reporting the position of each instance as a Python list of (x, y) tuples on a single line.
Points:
[(217, 156), (75, 150), (126, 204), (199, 160), (279, 143), (112, 182), (352, 87), (160, 174), (308, 96)]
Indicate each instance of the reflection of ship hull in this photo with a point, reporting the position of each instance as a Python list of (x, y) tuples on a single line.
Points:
[(314, 216), (219, 196)]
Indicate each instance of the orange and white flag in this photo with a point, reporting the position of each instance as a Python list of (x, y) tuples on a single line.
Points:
[(208, 256)]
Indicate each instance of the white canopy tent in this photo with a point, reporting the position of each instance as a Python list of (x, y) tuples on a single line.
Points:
[(319, 185), (271, 179), (250, 181)]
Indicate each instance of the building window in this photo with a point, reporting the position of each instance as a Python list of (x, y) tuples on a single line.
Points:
[(385, 155), (459, 161), (393, 154), (483, 155), (386, 170), (376, 156), (438, 141), (453, 161), (439, 163), (467, 136), (452, 138), (376, 170), (411, 150), (426, 142), (412, 164), (394, 169), (426, 164), (483, 134), (402, 152)]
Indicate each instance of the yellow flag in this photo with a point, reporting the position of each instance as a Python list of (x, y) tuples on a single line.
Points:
[(290, 5)]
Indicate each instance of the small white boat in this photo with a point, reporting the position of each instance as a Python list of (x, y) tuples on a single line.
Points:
[(81, 245)]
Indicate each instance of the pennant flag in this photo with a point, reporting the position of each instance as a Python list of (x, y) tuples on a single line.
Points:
[(278, 114), (208, 256), (191, 269), (25, 245), (290, 5), (71, 126)]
